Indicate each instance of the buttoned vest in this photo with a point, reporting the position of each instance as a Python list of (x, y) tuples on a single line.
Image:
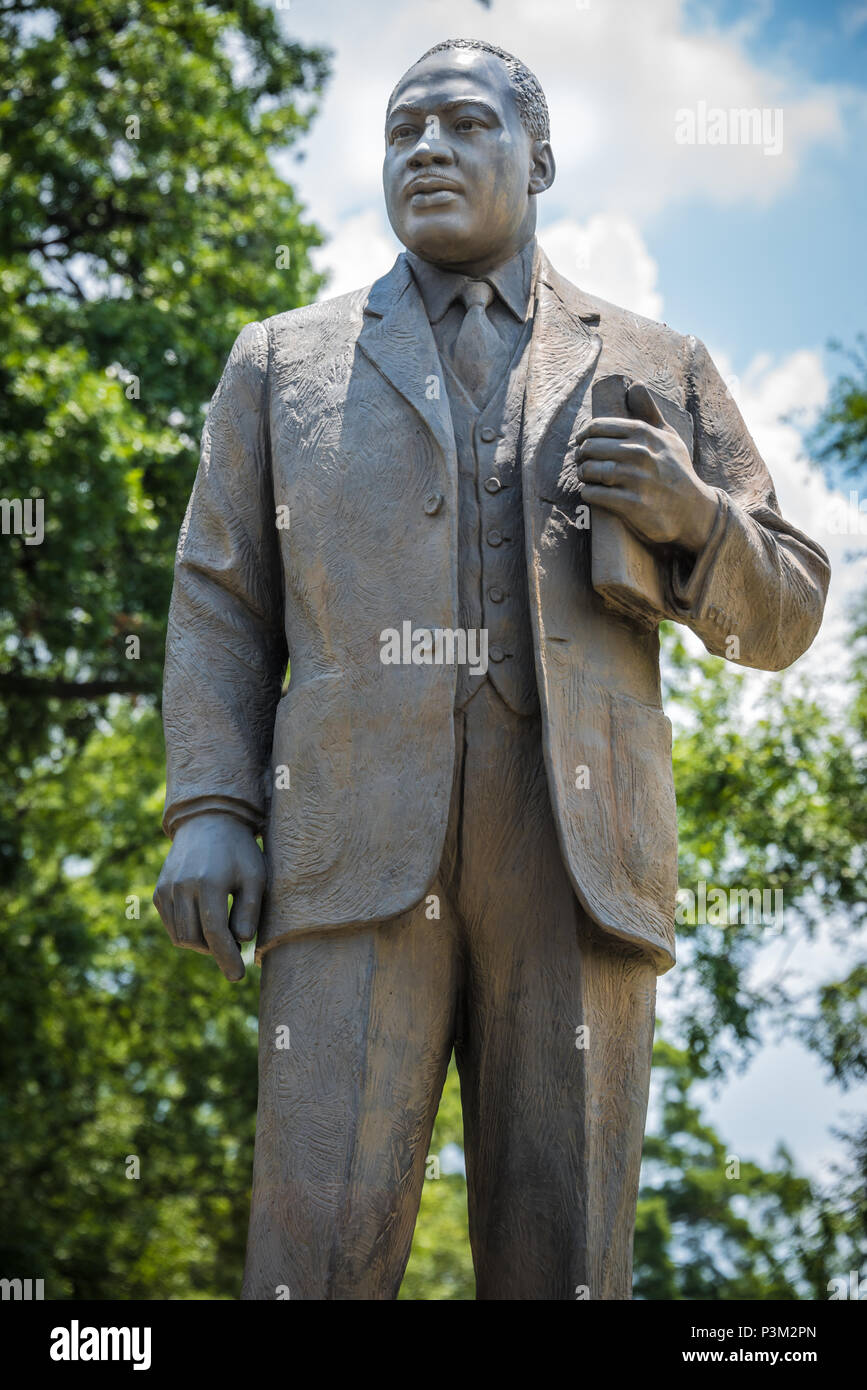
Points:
[(492, 575)]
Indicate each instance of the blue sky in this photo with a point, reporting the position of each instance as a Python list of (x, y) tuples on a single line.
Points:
[(791, 272), (762, 256)]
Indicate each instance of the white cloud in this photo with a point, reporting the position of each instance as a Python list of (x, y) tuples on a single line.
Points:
[(606, 256), (779, 400), (854, 19), (363, 249)]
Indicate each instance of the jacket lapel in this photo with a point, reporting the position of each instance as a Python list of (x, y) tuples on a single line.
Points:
[(564, 351), (397, 339)]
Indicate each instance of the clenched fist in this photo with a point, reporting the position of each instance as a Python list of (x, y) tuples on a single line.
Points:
[(212, 856)]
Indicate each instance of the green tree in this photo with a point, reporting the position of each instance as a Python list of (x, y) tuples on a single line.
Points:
[(440, 1266), (777, 799), (839, 440), (713, 1227), (141, 225), (117, 1048)]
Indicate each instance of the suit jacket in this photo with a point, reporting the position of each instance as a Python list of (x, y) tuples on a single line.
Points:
[(324, 511)]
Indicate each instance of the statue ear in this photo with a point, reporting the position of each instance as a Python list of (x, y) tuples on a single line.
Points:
[(542, 166)]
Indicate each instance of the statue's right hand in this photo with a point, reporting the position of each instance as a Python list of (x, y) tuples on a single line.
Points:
[(212, 856)]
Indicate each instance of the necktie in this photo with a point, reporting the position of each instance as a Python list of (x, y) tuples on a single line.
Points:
[(480, 357)]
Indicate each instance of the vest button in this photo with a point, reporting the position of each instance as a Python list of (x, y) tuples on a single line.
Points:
[(496, 653), (495, 594), (495, 537), (434, 503), (492, 485), (488, 434)]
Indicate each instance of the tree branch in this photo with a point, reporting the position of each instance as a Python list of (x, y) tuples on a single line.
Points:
[(70, 690)]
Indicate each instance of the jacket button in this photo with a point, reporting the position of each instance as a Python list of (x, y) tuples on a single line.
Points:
[(496, 594), (492, 485), (495, 537), (496, 653), (434, 503), (487, 434)]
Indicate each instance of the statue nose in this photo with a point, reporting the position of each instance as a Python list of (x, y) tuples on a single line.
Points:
[(429, 151)]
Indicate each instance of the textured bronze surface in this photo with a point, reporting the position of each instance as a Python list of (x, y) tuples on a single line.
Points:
[(479, 857)]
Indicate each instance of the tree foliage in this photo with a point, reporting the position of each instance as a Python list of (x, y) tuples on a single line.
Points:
[(140, 228)]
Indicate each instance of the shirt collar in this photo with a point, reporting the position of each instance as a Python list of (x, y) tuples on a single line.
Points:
[(512, 281)]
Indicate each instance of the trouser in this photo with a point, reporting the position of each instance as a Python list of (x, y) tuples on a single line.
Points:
[(552, 1029)]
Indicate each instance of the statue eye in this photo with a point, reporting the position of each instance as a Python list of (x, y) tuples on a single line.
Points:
[(466, 123), (403, 132)]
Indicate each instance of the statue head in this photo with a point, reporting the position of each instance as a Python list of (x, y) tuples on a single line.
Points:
[(466, 153)]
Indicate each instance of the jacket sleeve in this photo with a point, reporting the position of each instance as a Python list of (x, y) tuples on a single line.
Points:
[(225, 649), (758, 580)]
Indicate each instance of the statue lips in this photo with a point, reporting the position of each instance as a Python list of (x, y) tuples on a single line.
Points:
[(432, 190)]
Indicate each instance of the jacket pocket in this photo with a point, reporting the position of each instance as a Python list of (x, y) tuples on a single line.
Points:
[(612, 763), (310, 762)]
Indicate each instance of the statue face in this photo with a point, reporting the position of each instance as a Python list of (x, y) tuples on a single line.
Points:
[(458, 162)]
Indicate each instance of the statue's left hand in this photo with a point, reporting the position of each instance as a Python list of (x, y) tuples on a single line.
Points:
[(640, 470)]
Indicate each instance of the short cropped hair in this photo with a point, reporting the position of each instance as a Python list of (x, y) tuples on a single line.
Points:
[(529, 97)]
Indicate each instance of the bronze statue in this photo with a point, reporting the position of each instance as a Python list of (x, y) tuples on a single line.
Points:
[(465, 793)]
